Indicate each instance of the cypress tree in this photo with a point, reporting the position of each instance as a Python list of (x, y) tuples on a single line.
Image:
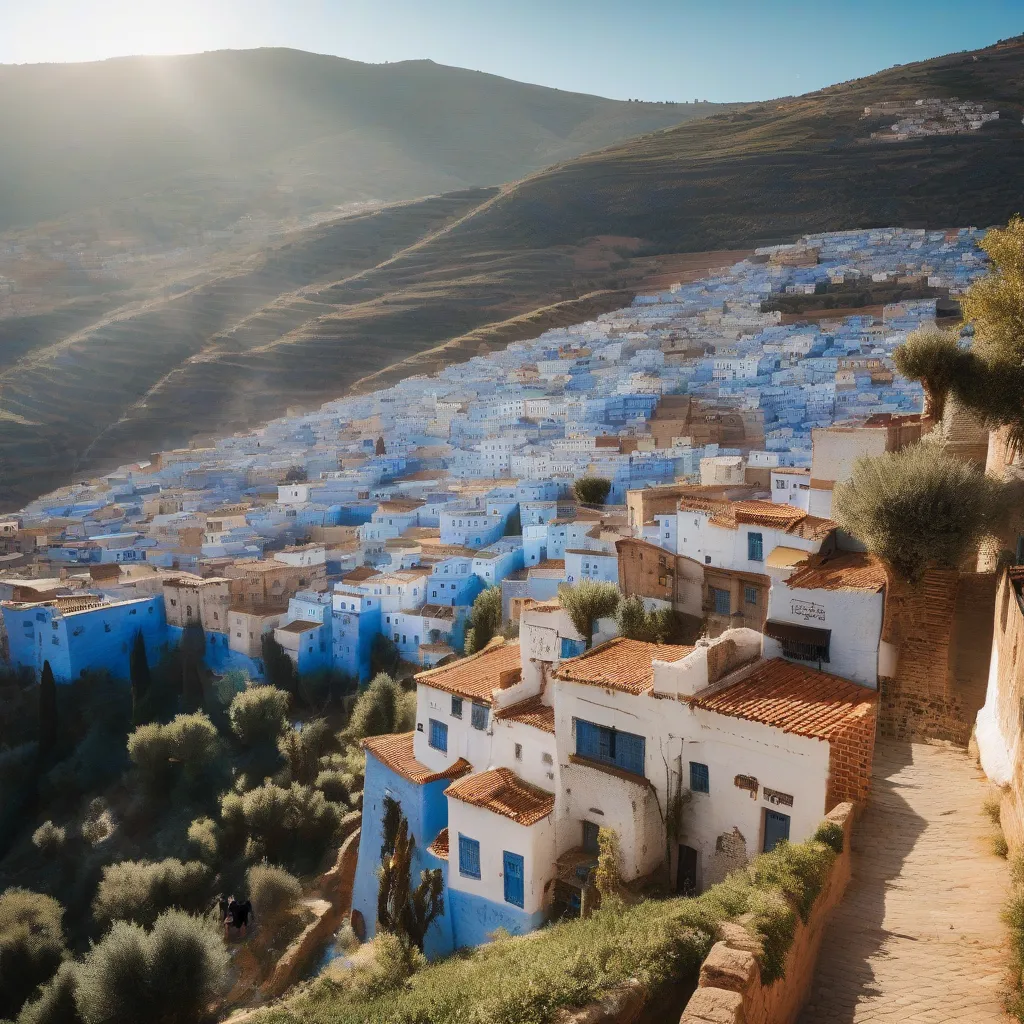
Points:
[(47, 711), (138, 672), (193, 650)]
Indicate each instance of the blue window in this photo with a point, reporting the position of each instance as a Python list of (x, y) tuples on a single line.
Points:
[(720, 601), (469, 857), (700, 781), (610, 746), (750, 595), (438, 735), (479, 717), (456, 707), (513, 879), (755, 547), (571, 648)]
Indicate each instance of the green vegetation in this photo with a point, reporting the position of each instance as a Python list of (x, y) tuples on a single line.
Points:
[(919, 508), (382, 708), (140, 891), (591, 490), (484, 620), (31, 945), (402, 910), (588, 601), (120, 826), (988, 379), (168, 975), (1013, 916), (660, 942), (660, 626), (932, 356), (257, 715), (275, 891)]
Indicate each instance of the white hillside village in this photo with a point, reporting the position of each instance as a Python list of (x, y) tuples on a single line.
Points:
[(721, 419)]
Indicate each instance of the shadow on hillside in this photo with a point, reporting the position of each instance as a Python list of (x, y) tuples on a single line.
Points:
[(882, 838)]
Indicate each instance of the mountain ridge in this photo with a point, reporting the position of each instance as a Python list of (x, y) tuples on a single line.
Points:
[(309, 317)]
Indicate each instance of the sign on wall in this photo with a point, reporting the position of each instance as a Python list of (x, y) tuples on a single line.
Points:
[(807, 610), (542, 643), (773, 796), (747, 782)]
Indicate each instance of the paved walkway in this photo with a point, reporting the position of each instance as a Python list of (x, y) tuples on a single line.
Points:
[(918, 938)]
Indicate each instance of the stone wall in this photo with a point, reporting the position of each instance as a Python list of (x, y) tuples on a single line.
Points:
[(942, 630), (329, 914), (1000, 726), (730, 989)]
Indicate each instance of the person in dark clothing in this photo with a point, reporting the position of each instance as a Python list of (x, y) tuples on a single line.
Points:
[(240, 914)]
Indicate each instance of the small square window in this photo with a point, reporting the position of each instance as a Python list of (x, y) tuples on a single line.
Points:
[(750, 595), (438, 737), (479, 716), (519, 751), (700, 781), (456, 707), (469, 857)]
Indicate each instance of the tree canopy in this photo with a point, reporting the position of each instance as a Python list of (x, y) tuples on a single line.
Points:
[(484, 620), (592, 490), (588, 601), (919, 508)]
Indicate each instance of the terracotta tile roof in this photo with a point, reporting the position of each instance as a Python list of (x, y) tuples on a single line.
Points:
[(848, 570), (395, 751), (773, 516), (532, 711), (502, 791), (620, 664), (793, 698), (477, 676), (439, 847), (300, 626), (359, 573)]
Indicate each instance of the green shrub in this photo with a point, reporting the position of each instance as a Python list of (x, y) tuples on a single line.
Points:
[(258, 715), (169, 975), (592, 490), (188, 743), (49, 839), (203, 834), (484, 620), (831, 834), (273, 891), (150, 748), (303, 748), (287, 826), (335, 784), (56, 1003), (382, 708), (31, 945), (139, 891)]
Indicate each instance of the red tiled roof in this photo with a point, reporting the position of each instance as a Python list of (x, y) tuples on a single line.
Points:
[(532, 711), (395, 751), (502, 791), (620, 664), (849, 570), (793, 698), (477, 676), (439, 847), (774, 516)]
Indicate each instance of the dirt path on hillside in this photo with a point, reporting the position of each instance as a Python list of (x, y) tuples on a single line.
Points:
[(918, 937)]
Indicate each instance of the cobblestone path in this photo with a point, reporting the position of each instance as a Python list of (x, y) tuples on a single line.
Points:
[(918, 938)]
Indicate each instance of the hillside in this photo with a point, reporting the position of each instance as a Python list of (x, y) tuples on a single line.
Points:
[(158, 147), (306, 319)]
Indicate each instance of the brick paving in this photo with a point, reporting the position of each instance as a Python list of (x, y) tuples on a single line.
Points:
[(918, 938)]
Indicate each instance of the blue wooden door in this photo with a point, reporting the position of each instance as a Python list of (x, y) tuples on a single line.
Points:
[(776, 828), (513, 879)]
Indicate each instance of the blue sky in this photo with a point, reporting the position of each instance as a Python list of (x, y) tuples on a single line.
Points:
[(645, 49)]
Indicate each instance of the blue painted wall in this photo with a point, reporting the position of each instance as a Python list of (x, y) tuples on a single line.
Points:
[(98, 639), (426, 809), (475, 919)]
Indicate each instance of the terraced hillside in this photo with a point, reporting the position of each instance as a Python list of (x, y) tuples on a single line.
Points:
[(160, 148), (304, 322)]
